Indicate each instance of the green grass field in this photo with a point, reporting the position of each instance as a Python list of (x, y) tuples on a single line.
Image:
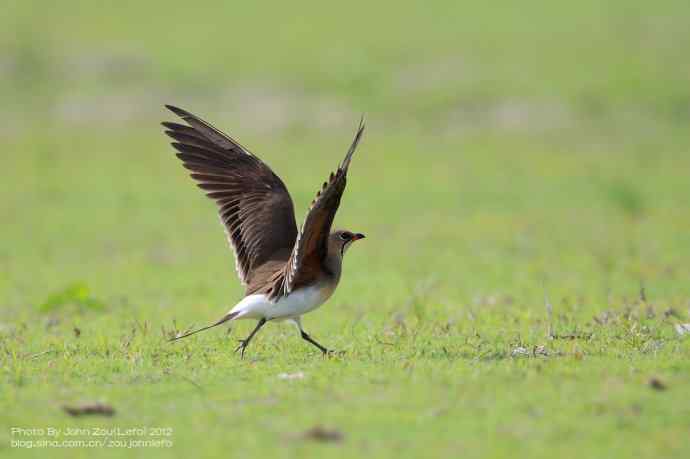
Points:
[(523, 185)]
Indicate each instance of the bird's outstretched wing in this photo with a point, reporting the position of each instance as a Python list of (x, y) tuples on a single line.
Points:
[(254, 204), (312, 242)]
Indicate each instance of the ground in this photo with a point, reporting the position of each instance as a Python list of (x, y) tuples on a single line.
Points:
[(523, 185)]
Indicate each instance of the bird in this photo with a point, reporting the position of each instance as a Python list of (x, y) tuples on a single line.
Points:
[(286, 272)]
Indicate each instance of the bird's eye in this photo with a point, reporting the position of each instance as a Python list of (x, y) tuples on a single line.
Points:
[(345, 236)]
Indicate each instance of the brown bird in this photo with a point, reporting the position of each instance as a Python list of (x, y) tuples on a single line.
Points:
[(287, 273)]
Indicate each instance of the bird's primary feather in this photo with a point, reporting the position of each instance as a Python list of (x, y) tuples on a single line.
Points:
[(271, 256), (254, 204), (311, 247)]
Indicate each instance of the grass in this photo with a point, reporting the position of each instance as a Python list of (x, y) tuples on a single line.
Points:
[(523, 177)]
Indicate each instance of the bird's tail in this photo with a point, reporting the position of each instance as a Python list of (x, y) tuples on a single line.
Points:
[(228, 316)]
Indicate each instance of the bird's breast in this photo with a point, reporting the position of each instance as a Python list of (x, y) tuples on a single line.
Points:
[(302, 301)]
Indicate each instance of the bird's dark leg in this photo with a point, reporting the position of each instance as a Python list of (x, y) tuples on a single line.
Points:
[(245, 342), (306, 337)]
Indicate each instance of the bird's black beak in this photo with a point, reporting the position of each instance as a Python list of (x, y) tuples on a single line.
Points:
[(358, 236)]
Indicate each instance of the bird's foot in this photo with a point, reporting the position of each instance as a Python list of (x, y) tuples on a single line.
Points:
[(243, 345), (331, 353)]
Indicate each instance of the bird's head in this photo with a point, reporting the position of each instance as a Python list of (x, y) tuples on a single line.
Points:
[(341, 240)]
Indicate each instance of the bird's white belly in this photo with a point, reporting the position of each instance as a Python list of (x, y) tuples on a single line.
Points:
[(295, 304)]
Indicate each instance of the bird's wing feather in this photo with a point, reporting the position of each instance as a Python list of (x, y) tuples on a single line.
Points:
[(254, 204), (311, 246)]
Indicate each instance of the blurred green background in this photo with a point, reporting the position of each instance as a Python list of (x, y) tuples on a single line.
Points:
[(513, 150)]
